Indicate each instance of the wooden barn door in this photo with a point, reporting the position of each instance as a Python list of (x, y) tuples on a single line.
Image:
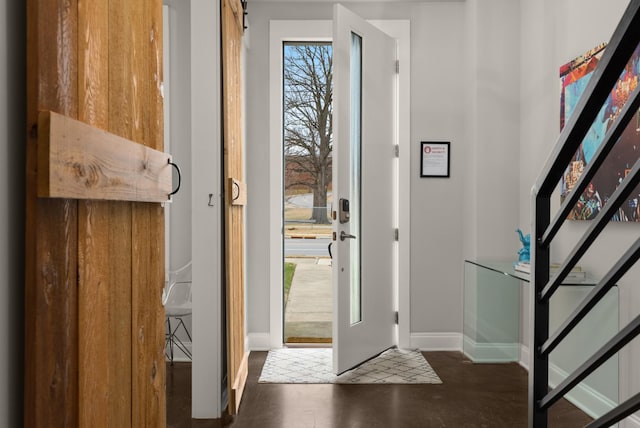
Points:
[(95, 268), (235, 198)]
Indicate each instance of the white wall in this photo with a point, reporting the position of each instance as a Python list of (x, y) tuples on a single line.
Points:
[(493, 69), (438, 61), (437, 113), (491, 77), (554, 32), (179, 141), (177, 104), (12, 187)]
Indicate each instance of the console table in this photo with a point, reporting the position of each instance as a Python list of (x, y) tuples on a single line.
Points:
[(493, 332)]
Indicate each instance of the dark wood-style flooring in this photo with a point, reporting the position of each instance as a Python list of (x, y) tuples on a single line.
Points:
[(472, 395)]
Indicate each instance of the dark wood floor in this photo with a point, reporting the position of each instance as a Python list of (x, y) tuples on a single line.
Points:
[(472, 395)]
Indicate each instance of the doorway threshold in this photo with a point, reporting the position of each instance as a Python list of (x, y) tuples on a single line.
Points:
[(308, 345)]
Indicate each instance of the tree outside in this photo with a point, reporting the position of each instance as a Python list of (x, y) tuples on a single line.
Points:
[(308, 124), (308, 127)]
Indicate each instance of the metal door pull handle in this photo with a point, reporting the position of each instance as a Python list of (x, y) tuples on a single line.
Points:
[(344, 236)]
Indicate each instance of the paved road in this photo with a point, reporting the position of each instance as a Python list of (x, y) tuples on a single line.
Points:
[(306, 247)]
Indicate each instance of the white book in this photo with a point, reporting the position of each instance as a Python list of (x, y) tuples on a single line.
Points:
[(576, 274), (556, 267)]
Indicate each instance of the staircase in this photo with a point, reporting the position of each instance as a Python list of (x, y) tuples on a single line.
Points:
[(614, 59)]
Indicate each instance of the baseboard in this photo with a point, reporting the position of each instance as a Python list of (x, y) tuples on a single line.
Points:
[(523, 360), (490, 352), (178, 355), (258, 341), (436, 341), (632, 421), (582, 396)]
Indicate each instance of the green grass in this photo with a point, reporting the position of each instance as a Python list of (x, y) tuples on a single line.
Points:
[(289, 270)]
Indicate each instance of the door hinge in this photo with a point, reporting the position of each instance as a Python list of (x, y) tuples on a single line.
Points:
[(396, 234), (396, 317), (397, 150), (397, 66)]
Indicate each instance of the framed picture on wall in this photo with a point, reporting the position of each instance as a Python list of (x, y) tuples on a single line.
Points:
[(574, 77), (435, 159)]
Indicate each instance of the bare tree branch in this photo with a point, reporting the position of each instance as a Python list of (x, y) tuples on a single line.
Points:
[(308, 96)]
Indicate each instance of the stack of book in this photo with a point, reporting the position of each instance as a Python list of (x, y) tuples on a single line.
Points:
[(576, 273), (523, 267)]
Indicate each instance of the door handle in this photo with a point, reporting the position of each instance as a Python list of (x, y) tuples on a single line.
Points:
[(344, 236)]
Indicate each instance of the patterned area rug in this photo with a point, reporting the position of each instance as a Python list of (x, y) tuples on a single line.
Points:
[(314, 365)]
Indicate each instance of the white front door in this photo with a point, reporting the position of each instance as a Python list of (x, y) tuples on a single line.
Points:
[(364, 182)]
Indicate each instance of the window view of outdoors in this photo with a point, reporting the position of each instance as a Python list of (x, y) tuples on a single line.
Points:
[(308, 127)]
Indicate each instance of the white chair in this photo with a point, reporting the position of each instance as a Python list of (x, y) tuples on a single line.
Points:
[(176, 298)]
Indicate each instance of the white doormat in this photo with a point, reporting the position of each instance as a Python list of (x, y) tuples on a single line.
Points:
[(314, 365)]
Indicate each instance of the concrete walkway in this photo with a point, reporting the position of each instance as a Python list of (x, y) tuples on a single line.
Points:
[(309, 311)]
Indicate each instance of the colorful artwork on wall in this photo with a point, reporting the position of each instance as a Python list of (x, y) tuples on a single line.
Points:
[(574, 77)]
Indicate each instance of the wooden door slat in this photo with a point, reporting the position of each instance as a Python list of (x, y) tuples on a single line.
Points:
[(94, 321), (234, 212), (156, 141), (93, 313), (148, 224), (51, 375), (119, 323), (94, 279)]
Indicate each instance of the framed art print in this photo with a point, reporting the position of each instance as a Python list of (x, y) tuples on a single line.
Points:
[(435, 159), (574, 77)]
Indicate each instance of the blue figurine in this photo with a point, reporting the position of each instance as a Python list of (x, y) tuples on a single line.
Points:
[(524, 253)]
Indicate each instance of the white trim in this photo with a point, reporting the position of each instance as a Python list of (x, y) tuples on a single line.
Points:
[(280, 31), (308, 30), (524, 357), (401, 30), (632, 421), (259, 342), (206, 221), (582, 396), (436, 341), (490, 352)]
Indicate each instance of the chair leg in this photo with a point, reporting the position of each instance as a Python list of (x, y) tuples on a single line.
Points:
[(179, 342), (185, 329), (173, 339), (170, 340)]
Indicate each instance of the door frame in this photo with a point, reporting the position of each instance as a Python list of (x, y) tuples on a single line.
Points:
[(321, 30), (207, 373)]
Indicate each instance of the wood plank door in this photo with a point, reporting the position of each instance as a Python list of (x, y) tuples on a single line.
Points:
[(235, 198), (94, 334)]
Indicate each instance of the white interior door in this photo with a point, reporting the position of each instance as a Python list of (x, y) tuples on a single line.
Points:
[(364, 143)]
